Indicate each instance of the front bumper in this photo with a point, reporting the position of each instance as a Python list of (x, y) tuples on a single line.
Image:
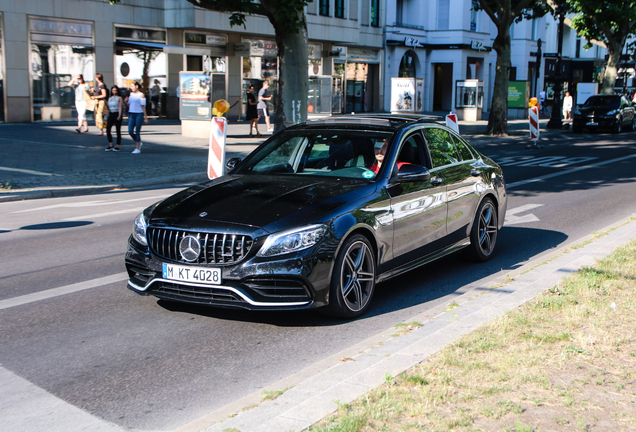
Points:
[(595, 122), (293, 281)]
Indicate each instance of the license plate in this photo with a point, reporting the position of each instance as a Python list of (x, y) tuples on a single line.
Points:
[(210, 276), (591, 124)]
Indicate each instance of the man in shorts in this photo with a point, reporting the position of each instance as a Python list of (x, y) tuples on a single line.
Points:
[(263, 97)]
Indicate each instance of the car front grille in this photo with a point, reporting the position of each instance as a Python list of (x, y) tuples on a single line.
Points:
[(196, 294), (215, 248)]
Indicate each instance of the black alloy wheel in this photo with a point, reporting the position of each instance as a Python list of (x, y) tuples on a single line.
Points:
[(352, 280), (483, 236)]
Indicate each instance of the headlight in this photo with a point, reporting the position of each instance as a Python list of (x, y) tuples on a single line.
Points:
[(292, 240), (139, 229), (612, 113)]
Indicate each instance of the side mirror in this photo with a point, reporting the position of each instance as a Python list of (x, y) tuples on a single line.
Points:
[(413, 173), (231, 164)]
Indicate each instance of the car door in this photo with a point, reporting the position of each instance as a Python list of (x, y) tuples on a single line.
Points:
[(453, 161), (418, 208)]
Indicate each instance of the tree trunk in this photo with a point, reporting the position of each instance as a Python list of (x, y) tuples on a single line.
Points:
[(611, 72), (498, 118), (293, 85)]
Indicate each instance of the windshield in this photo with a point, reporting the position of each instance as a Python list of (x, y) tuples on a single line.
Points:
[(603, 101), (323, 153)]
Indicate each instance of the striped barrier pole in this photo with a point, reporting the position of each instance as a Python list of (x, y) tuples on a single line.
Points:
[(451, 121), (534, 125), (216, 153)]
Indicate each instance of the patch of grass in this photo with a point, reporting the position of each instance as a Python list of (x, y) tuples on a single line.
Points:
[(7, 186), (556, 362), (271, 395), (404, 328)]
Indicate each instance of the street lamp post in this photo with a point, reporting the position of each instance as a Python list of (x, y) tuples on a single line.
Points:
[(555, 119)]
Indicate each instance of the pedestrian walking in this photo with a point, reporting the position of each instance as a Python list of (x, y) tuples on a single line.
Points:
[(136, 114), (542, 101), (263, 97), (81, 90), (567, 106), (251, 114), (115, 117), (100, 95), (155, 91)]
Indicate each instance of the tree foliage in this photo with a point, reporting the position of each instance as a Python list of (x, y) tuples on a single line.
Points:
[(609, 21), (503, 14)]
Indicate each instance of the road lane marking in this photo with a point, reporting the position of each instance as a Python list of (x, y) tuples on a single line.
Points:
[(513, 219), (63, 290), (99, 215), (26, 171), (570, 171), (90, 203)]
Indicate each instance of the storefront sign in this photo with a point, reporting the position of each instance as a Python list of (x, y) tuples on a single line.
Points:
[(403, 96), (194, 88), (61, 27), (476, 45), (141, 34), (205, 39), (242, 49), (362, 56), (412, 42), (517, 94)]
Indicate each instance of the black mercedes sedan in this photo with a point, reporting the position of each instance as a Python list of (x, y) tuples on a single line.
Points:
[(319, 214), (611, 112)]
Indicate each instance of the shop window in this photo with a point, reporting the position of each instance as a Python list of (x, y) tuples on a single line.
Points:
[(132, 63), (407, 65), (53, 98)]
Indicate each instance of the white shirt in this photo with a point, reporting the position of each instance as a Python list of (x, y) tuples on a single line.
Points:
[(113, 104), (567, 103), (135, 102)]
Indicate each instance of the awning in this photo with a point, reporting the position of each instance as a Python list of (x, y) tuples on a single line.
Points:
[(168, 49)]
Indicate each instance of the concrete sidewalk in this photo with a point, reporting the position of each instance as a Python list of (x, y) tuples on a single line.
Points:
[(43, 160)]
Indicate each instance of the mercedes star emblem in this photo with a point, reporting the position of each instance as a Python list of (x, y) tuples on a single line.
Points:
[(189, 248)]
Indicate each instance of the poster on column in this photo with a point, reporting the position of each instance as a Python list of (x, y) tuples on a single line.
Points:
[(419, 92), (194, 88), (403, 95)]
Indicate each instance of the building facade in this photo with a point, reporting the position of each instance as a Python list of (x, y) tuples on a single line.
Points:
[(439, 54), (44, 44)]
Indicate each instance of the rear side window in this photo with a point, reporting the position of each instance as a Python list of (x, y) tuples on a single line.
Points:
[(462, 149), (441, 147)]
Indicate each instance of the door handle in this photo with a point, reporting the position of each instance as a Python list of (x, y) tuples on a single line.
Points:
[(436, 181), (475, 172)]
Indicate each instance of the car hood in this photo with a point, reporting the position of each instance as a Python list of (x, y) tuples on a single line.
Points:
[(268, 202), (596, 109)]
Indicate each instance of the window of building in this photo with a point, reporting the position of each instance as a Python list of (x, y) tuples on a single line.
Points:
[(578, 48), (474, 15), (339, 9), (407, 66), (375, 13), (443, 10), (399, 12), (324, 7)]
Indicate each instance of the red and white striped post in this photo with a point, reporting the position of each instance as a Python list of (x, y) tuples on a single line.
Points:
[(216, 153), (534, 124), (451, 121)]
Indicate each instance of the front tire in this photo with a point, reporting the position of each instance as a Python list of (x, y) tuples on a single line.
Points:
[(352, 279), (483, 236), (619, 126)]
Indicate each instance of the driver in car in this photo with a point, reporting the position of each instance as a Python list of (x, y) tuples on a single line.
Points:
[(380, 151)]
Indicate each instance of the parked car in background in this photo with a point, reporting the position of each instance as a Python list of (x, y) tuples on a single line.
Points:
[(612, 112), (319, 214)]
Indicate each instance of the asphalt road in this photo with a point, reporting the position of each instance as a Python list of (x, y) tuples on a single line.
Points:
[(144, 365)]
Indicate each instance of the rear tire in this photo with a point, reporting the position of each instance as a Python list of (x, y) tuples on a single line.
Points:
[(352, 279), (483, 236)]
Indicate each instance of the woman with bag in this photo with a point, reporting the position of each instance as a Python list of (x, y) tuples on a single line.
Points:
[(81, 91), (100, 95)]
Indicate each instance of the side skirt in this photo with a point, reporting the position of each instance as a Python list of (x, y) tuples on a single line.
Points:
[(424, 260)]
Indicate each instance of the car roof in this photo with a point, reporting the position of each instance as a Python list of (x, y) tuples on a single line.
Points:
[(382, 121)]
